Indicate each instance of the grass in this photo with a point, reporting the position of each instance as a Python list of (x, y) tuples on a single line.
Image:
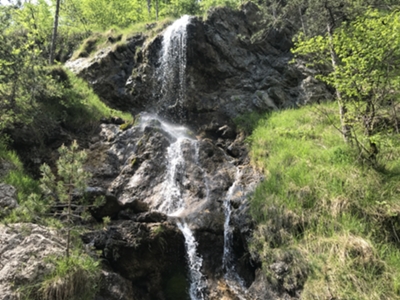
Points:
[(23, 182), (337, 217), (29, 209), (118, 37), (76, 104), (73, 278)]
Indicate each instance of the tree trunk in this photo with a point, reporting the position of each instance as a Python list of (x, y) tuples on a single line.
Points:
[(68, 223), (346, 129), (149, 7), (302, 22), (54, 36), (157, 10)]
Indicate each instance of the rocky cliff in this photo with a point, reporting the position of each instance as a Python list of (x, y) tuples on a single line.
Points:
[(176, 182)]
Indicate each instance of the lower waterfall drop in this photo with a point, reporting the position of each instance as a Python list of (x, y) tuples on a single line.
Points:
[(173, 203), (198, 283), (234, 281)]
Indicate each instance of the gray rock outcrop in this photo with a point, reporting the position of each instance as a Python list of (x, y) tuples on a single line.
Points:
[(23, 249), (231, 69), (8, 199)]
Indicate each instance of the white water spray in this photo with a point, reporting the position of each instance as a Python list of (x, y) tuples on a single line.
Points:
[(172, 71), (198, 284), (172, 203), (172, 74)]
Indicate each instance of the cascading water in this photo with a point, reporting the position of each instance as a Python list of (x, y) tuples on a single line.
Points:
[(172, 202), (172, 74), (234, 281), (172, 71), (198, 284)]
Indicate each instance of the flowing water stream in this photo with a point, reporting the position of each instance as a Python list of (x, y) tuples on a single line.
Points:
[(234, 281), (172, 202), (172, 70), (172, 77)]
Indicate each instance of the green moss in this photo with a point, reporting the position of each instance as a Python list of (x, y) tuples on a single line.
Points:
[(118, 37), (127, 125)]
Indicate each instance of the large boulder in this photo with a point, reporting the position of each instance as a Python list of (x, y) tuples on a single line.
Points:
[(148, 255), (23, 249)]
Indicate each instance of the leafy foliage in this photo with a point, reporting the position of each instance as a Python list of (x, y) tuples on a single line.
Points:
[(71, 180), (367, 75)]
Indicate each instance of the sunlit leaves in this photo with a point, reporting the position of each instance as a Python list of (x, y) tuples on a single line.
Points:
[(367, 74)]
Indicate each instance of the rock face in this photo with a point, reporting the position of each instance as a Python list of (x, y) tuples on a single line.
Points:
[(230, 70), (115, 66), (145, 167), (149, 256), (8, 199), (157, 177), (23, 248)]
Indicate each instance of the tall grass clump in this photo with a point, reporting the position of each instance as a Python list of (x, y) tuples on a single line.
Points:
[(72, 278), (337, 219)]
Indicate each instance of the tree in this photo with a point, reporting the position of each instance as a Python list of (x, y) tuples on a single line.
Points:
[(71, 179), (320, 18), (366, 73), (54, 35), (23, 78)]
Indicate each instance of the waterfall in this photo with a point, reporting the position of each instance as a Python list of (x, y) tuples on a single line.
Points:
[(172, 74), (172, 70), (198, 284), (234, 281), (172, 202), (173, 205), (172, 78)]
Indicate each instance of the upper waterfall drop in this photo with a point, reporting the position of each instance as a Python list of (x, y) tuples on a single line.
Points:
[(173, 59)]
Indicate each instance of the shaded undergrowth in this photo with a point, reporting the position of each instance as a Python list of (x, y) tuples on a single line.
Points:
[(333, 220), (73, 106)]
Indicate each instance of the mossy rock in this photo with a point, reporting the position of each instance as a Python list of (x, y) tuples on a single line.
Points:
[(127, 125)]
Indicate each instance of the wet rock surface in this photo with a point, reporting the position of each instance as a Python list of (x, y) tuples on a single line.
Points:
[(145, 254), (134, 166)]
